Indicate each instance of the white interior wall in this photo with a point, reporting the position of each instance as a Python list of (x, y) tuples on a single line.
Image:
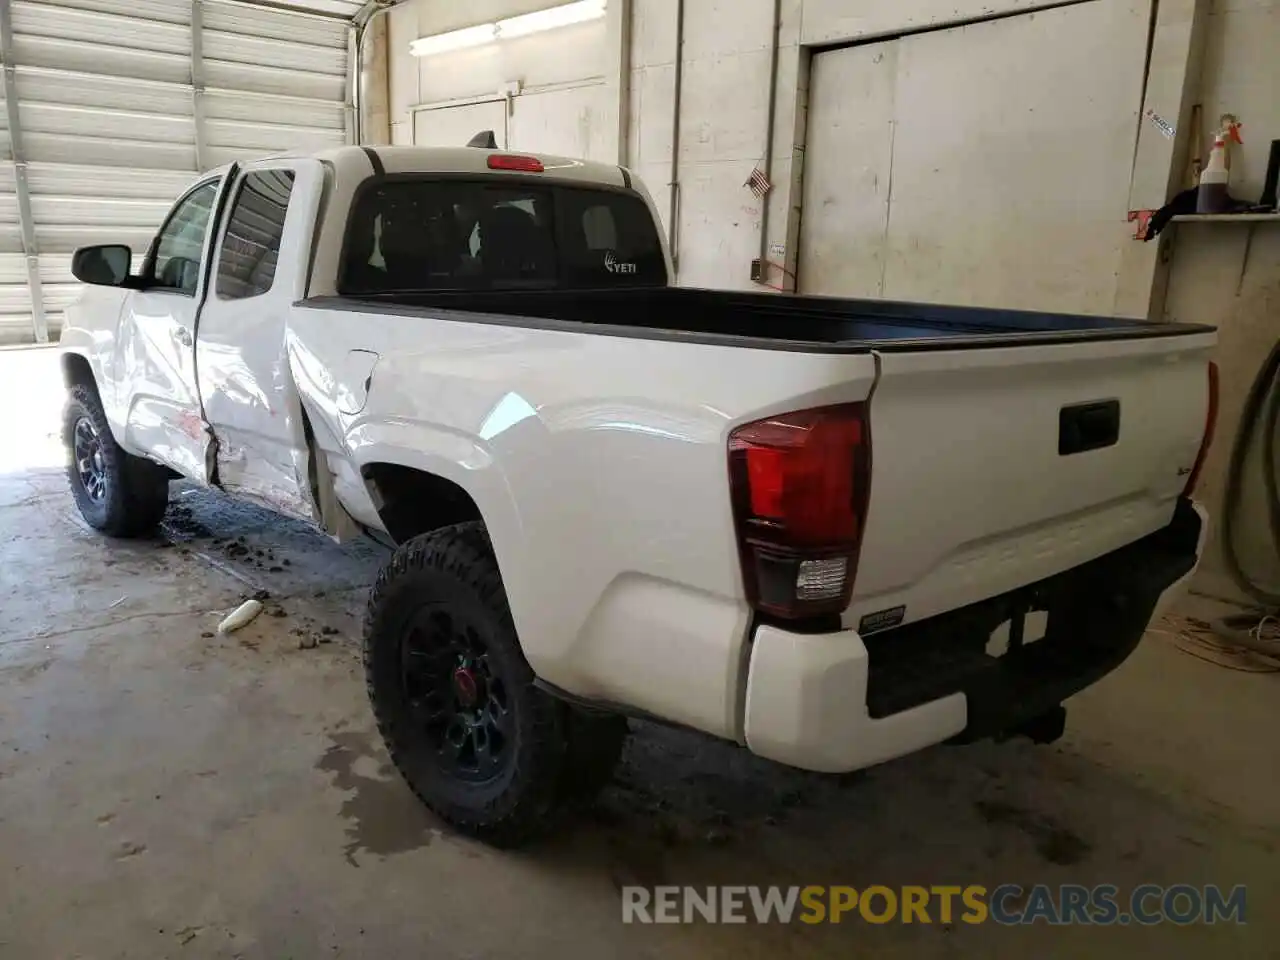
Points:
[(724, 107), (833, 21), (1218, 274), (723, 121), (549, 66)]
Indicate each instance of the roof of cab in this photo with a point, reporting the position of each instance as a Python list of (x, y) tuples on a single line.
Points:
[(361, 162)]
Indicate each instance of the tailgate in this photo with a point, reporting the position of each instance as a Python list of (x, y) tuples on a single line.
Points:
[(996, 467)]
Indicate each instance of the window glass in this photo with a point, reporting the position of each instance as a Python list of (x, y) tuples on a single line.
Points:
[(421, 235), (181, 244), (598, 228), (251, 243)]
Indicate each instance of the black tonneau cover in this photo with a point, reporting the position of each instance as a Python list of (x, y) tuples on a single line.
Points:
[(777, 321)]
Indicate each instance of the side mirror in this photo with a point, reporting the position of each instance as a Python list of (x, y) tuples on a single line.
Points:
[(105, 265)]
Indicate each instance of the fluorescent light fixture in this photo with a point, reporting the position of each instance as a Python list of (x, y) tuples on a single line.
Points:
[(550, 19), (553, 17), (454, 40)]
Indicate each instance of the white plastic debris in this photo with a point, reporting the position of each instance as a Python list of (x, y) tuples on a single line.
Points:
[(241, 616)]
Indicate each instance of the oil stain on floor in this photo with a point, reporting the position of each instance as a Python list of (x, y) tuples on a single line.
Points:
[(383, 816)]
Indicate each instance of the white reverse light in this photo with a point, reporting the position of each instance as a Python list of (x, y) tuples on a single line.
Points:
[(550, 19)]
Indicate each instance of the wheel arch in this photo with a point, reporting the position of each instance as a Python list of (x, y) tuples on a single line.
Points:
[(77, 371), (428, 480), (412, 501)]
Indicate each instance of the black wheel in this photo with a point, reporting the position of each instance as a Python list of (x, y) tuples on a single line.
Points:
[(117, 493), (453, 695)]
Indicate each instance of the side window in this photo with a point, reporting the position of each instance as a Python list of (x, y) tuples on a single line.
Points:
[(181, 243), (251, 243)]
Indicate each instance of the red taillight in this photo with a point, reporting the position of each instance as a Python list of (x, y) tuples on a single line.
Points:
[(1211, 420), (799, 484), (509, 161)]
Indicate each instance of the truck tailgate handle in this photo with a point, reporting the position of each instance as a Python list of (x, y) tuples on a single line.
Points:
[(1088, 426)]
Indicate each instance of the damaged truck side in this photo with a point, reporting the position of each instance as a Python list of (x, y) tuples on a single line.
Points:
[(815, 527)]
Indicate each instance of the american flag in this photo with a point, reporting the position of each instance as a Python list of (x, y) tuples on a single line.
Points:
[(758, 182)]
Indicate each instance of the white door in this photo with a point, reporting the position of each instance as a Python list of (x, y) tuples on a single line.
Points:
[(1012, 149), (454, 126), (246, 378), (845, 215), (157, 340)]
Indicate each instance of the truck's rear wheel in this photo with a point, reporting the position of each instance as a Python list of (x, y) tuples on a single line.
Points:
[(117, 493), (452, 693)]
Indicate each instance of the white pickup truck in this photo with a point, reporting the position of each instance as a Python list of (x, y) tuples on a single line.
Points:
[(815, 527)]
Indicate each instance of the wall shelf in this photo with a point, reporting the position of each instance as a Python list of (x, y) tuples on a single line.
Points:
[(1252, 219), (1227, 218)]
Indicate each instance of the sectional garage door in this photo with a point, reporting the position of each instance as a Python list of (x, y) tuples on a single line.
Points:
[(988, 164), (117, 109)]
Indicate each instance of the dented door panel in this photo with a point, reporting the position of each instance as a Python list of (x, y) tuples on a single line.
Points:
[(155, 348), (243, 354)]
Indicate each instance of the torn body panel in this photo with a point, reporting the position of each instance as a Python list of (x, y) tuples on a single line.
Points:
[(272, 478), (253, 410)]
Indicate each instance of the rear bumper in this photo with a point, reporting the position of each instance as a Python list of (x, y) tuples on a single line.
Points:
[(836, 702)]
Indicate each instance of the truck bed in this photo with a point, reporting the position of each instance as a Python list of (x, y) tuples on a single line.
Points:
[(777, 321), (1007, 446)]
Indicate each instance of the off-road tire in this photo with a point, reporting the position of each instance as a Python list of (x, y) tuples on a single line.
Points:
[(594, 739), (135, 491), (452, 571)]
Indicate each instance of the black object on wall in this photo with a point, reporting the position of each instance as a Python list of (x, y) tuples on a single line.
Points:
[(1273, 175)]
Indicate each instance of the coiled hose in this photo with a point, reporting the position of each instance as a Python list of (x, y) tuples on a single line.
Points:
[(1262, 410)]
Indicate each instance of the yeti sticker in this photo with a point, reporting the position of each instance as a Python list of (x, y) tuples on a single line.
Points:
[(613, 265)]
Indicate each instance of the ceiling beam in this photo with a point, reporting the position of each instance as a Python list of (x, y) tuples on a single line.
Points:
[(30, 252)]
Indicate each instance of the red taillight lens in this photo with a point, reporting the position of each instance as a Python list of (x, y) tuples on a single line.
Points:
[(799, 484), (508, 161), (1210, 423)]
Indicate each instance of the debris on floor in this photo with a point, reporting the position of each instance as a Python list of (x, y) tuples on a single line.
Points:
[(1199, 638), (241, 616)]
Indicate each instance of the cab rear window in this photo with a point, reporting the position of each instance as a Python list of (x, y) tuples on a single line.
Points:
[(408, 235)]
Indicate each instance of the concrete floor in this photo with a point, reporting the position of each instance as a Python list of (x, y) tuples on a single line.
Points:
[(165, 792)]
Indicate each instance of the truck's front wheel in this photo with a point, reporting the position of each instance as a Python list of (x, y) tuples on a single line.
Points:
[(452, 693), (119, 494)]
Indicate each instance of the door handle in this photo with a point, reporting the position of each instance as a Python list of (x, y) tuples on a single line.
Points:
[(183, 336)]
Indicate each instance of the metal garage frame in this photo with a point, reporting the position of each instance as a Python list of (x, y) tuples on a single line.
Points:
[(111, 106)]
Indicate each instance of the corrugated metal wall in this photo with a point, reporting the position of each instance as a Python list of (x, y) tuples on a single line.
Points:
[(106, 93)]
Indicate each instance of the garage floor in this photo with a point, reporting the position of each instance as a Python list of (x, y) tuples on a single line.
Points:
[(165, 792)]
